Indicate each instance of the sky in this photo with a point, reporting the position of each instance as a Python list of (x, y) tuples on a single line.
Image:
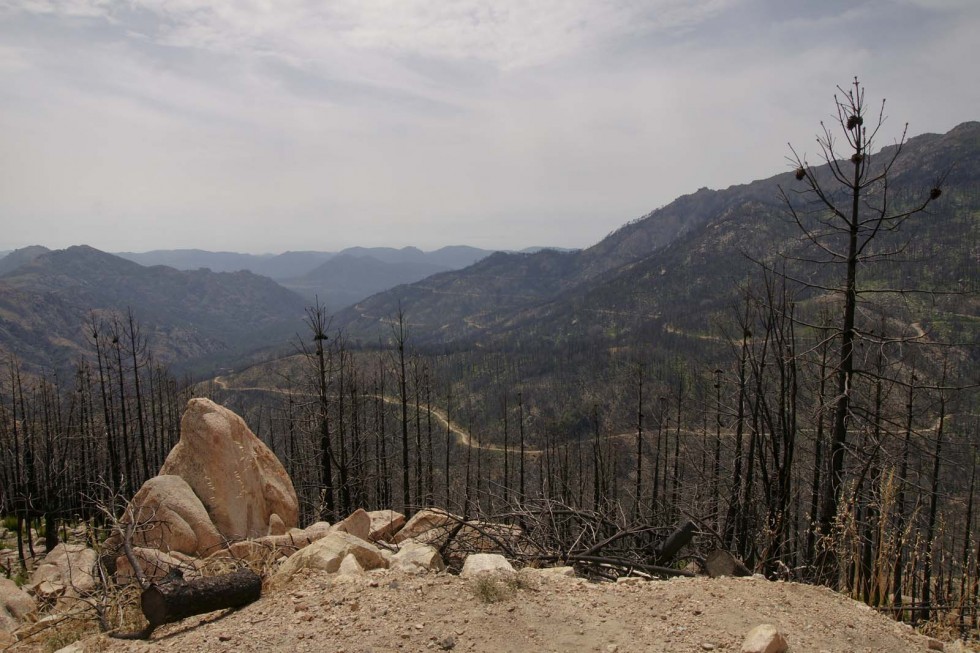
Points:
[(272, 125)]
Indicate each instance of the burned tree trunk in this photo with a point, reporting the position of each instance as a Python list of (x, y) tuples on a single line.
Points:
[(176, 598)]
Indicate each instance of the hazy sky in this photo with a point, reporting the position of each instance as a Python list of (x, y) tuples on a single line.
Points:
[(267, 125)]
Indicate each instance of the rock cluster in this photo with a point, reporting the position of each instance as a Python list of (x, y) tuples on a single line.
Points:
[(219, 484)]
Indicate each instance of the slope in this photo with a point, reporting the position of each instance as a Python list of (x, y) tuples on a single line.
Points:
[(679, 267), (190, 317)]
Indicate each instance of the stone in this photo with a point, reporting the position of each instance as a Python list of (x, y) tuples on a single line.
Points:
[(171, 518), (238, 479), (349, 566), (16, 605), (273, 547), (557, 572), (276, 526), (66, 571), (425, 521), (485, 563), (261, 550), (384, 524), (316, 530), (764, 638), (327, 554), (358, 524), (414, 557)]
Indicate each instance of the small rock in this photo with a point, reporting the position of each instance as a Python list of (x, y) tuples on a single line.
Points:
[(764, 638), (707, 646), (447, 643), (481, 563), (935, 645)]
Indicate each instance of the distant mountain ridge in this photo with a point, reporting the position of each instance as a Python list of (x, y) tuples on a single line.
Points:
[(289, 265), (13, 260), (335, 279), (191, 317)]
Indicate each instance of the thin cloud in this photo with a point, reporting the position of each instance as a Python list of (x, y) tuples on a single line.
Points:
[(501, 124)]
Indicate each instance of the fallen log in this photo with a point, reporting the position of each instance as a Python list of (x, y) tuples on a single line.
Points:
[(175, 598)]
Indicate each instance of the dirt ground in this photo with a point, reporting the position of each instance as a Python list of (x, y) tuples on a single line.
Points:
[(386, 611)]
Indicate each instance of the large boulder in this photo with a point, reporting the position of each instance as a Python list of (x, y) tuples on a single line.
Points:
[(427, 521), (329, 552), (238, 479), (384, 524), (170, 518), (16, 605), (68, 570)]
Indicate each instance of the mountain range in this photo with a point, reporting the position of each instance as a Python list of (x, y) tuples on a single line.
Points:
[(667, 279), (678, 269)]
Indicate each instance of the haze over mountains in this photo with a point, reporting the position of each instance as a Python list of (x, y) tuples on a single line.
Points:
[(670, 274)]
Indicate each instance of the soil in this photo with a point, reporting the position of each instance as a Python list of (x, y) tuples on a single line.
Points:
[(388, 611)]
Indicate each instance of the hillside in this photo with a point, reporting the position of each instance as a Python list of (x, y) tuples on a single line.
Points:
[(679, 267), (13, 260), (189, 317)]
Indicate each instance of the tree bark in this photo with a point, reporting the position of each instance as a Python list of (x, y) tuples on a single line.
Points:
[(167, 602)]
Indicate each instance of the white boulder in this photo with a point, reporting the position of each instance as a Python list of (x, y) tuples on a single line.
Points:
[(485, 563)]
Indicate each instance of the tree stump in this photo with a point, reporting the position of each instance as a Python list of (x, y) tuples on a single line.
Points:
[(722, 563)]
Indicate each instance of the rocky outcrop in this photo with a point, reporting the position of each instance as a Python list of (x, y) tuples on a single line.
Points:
[(457, 537), (329, 552), (238, 479), (273, 547), (68, 570)]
